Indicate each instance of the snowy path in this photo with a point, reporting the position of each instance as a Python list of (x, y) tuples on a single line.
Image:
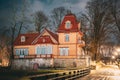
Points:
[(109, 72)]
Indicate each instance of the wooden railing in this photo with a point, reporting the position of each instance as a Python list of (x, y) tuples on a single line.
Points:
[(34, 56)]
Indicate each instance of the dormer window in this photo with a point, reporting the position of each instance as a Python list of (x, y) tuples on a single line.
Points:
[(68, 24), (22, 38)]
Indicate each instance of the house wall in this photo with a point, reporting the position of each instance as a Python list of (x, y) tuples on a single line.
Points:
[(71, 52), (70, 63), (30, 64), (71, 44), (32, 48), (72, 38)]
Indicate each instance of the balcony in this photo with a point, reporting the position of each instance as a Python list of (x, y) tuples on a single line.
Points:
[(33, 56), (81, 43)]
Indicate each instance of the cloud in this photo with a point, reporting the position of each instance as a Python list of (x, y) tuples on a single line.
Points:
[(6, 8), (48, 5), (36, 5)]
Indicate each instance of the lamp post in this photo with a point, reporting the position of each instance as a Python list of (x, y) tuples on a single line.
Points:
[(113, 58)]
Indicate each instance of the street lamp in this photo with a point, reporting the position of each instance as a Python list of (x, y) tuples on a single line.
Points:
[(113, 57)]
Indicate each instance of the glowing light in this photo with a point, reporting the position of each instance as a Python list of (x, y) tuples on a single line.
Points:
[(115, 53), (113, 57), (118, 49)]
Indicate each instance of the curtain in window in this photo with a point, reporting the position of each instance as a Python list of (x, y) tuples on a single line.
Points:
[(17, 51), (38, 50), (25, 51)]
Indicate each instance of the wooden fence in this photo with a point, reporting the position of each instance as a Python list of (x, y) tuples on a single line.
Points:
[(67, 75)]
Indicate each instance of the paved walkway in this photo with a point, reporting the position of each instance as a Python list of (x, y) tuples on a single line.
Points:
[(109, 72)]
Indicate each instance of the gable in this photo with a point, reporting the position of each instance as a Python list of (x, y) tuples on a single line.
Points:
[(46, 33), (48, 36)]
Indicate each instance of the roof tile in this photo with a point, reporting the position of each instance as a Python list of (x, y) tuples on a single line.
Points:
[(29, 37)]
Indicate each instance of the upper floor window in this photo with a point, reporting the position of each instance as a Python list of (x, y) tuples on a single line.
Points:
[(22, 38), (68, 24), (66, 37)]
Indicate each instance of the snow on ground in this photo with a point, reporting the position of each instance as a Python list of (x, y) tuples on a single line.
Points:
[(107, 72)]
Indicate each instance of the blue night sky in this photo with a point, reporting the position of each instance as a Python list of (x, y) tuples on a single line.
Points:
[(7, 8)]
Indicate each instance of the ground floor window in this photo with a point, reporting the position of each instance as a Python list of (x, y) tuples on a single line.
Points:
[(64, 51), (21, 52), (44, 50)]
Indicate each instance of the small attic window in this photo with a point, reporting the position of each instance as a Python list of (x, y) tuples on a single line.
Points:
[(22, 38), (43, 40), (68, 24)]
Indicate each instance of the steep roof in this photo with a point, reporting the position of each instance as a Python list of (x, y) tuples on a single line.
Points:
[(74, 23), (54, 35), (29, 37), (37, 37)]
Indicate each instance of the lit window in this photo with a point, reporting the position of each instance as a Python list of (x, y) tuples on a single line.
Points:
[(66, 37), (17, 51), (64, 51), (21, 52), (68, 24), (22, 38)]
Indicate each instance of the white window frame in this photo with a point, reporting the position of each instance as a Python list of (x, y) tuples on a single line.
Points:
[(67, 24), (22, 38)]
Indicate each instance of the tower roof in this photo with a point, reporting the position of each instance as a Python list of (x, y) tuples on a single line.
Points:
[(73, 21)]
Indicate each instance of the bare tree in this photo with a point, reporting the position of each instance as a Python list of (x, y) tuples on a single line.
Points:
[(4, 49), (115, 12), (99, 21), (58, 14), (17, 24), (40, 20)]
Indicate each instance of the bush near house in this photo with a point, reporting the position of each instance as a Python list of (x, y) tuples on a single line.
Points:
[(21, 74)]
